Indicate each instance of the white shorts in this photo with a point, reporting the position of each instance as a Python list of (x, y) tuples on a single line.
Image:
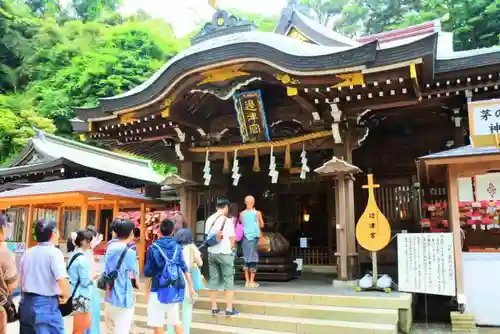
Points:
[(160, 314), (118, 320)]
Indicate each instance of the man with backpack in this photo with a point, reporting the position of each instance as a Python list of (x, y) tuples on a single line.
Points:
[(167, 274), (220, 241), (8, 277), (121, 276)]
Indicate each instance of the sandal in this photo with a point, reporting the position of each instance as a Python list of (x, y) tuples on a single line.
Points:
[(254, 285)]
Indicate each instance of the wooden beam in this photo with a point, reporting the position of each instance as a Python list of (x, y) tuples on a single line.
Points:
[(142, 242), (84, 210), (29, 226)]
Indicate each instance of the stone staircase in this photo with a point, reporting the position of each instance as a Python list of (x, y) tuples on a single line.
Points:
[(265, 312)]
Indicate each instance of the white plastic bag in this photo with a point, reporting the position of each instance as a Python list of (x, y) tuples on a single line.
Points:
[(366, 282), (384, 282)]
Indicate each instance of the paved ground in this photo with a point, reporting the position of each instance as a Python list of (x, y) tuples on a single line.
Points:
[(418, 329)]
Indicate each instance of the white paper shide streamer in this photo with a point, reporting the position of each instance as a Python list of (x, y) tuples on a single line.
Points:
[(236, 169), (305, 169), (206, 171), (273, 173)]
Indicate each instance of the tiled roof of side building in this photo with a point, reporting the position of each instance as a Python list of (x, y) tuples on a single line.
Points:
[(52, 148), (464, 151), (84, 184)]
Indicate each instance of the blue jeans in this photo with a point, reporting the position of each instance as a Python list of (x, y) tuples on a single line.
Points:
[(40, 315)]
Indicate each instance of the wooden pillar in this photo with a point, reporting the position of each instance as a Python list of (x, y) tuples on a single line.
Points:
[(29, 226), (60, 218), (454, 214), (84, 211), (331, 212), (346, 218), (188, 197), (142, 242), (350, 229), (98, 217), (116, 209), (341, 228)]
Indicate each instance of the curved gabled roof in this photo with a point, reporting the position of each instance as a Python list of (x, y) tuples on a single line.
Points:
[(281, 52)]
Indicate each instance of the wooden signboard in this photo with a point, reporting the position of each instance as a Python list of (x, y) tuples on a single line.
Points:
[(426, 263), (373, 231), (484, 123), (251, 116)]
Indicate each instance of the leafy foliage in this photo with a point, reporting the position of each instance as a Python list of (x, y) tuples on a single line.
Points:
[(474, 23), (52, 62)]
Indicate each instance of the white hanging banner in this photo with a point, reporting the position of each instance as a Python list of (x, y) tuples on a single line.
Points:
[(426, 263)]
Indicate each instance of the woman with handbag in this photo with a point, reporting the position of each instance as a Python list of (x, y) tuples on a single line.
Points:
[(192, 257), (80, 276), (8, 279)]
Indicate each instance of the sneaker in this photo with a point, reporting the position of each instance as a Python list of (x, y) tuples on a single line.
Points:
[(232, 312), (215, 311)]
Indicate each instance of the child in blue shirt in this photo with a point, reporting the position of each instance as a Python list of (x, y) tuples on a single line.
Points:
[(119, 300)]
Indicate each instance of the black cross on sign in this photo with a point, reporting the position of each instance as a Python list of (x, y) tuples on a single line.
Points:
[(372, 235), (372, 225)]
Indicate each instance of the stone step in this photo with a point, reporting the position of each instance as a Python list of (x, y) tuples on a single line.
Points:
[(358, 300), (264, 324), (377, 316)]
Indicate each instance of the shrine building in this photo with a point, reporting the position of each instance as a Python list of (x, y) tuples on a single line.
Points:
[(248, 112)]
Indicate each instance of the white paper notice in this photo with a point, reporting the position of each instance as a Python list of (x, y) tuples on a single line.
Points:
[(426, 263), (303, 242)]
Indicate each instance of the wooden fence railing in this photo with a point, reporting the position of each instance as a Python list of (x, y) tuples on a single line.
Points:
[(313, 255)]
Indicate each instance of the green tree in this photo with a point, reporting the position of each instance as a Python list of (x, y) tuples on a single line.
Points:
[(91, 10), (18, 124), (263, 23)]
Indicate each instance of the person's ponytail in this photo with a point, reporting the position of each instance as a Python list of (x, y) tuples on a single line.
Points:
[(70, 244)]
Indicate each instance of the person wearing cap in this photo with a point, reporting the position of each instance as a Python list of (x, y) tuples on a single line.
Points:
[(44, 283), (8, 273)]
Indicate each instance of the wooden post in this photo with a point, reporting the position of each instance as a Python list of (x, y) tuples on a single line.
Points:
[(60, 218), (142, 243), (84, 210), (98, 217), (455, 226), (116, 209), (29, 226), (342, 242), (350, 228), (374, 269), (106, 230)]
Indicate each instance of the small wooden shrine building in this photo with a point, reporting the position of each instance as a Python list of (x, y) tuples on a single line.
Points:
[(47, 158), (250, 112)]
